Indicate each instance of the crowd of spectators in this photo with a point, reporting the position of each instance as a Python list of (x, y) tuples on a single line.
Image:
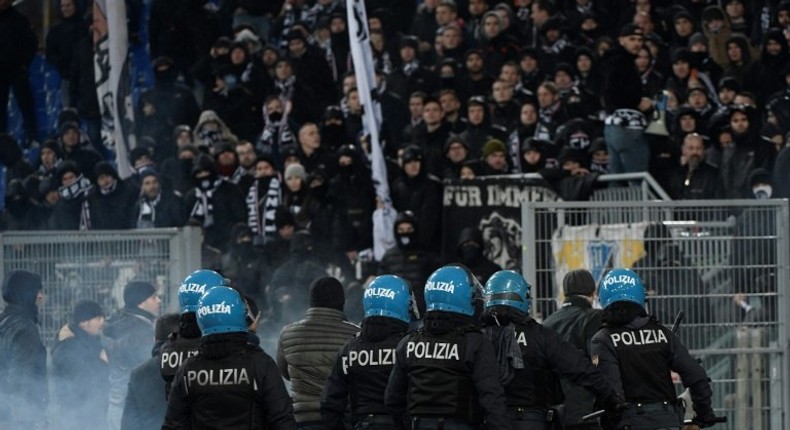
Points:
[(253, 129)]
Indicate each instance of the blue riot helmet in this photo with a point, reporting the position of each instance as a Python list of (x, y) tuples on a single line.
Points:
[(452, 288), (221, 310), (621, 285), (507, 288), (195, 285), (389, 296)]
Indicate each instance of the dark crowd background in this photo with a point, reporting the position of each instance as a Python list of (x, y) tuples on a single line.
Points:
[(252, 128)]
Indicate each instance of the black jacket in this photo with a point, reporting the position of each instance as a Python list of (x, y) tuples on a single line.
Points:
[(576, 322), (702, 183), (168, 211), (61, 40), (422, 195), (17, 43), (228, 210), (112, 211), (23, 368), (657, 351), (83, 80), (361, 378), (79, 379), (622, 85), (473, 361), (413, 265), (211, 405), (128, 337), (145, 405)]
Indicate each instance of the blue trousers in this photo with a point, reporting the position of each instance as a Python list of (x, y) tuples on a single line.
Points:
[(628, 149)]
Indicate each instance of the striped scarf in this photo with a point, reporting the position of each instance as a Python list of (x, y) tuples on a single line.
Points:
[(261, 208)]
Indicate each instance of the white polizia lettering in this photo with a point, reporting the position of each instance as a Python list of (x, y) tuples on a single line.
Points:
[(521, 338), (620, 279), (176, 358), (192, 288), (217, 308), (380, 292), (638, 337), (368, 357), (433, 350), (216, 377), (448, 287)]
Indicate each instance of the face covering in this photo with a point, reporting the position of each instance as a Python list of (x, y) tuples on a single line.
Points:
[(275, 116), (405, 240), (109, 188), (471, 253), (762, 192)]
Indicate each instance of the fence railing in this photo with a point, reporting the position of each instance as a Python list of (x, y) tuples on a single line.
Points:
[(724, 263), (97, 265)]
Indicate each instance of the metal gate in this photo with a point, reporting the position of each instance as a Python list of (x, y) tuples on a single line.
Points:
[(97, 266), (724, 263)]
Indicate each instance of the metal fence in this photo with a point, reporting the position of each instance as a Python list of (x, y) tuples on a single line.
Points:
[(724, 263), (97, 266)]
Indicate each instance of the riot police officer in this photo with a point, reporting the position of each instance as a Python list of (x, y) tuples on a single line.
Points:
[(636, 354), (445, 374), (230, 384), (363, 365), (532, 356), (184, 343)]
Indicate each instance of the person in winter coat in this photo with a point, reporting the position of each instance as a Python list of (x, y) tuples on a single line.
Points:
[(417, 191), (408, 259), (61, 39), (470, 253), (747, 153), (73, 187), (577, 322), (157, 207), (716, 27), (146, 403), (17, 48), (111, 201), (79, 370), (355, 200), (128, 338), (766, 76), (216, 203), (23, 358), (211, 130), (307, 349)]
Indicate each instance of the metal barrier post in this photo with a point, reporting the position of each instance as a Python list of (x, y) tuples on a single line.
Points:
[(528, 248), (783, 298)]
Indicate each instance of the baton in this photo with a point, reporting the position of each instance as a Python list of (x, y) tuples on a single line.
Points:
[(676, 324), (592, 416), (712, 422)]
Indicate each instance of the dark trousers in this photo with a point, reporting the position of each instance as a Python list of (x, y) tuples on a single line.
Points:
[(526, 419), (312, 425), (374, 422), (24, 99)]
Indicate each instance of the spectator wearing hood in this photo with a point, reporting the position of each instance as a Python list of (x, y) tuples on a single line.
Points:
[(22, 208), (531, 154), (355, 200), (716, 27), (111, 201), (471, 253), (229, 168), (599, 157), (766, 76), (73, 186), (748, 152), (474, 80), (69, 139), (49, 159), (311, 67), (411, 75), (234, 101), (79, 370), (496, 45), (217, 204), (699, 100), (177, 171), (456, 152), (23, 368), (278, 129), (164, 106), (683, 27), (408, 259), (739, 58), (157, 207), (246, 264), (210, 130), (479, 129), (421, 194), (431, 134), (652, 80)]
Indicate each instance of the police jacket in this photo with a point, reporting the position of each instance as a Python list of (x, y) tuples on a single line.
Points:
[(576, 323), (545, 355), (361, 372), (446, 369), (178, 347), (306, 352), (229, 385), (637, 356), (23, 367)]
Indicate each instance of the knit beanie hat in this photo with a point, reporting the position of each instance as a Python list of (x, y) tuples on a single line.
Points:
[(327, 292), (493, 146), (137, 292), (295, 170), (86, 310), (578, 282)]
